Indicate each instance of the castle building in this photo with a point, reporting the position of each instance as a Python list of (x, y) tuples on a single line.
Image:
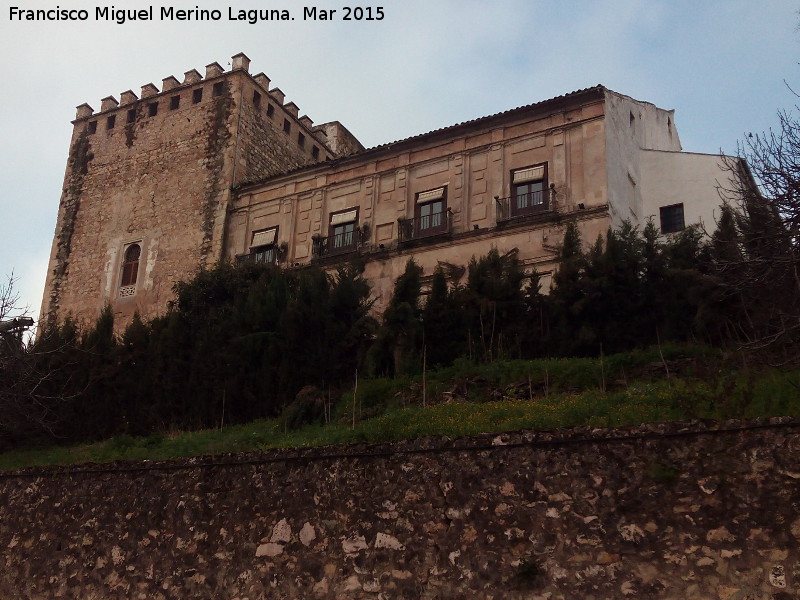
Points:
[(220, 167)]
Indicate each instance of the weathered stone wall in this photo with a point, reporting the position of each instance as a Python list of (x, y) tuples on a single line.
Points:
[(157, 171), (665, 511)]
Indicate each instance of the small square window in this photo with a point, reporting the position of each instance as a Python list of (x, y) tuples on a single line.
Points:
[(301, 140), (270, 110), (111, 121), (315, 152), (197, 96), (92, 126), (152, 109), (672, 219), (174, 102), (256, 99), (131, 116), (217, 89), (287, 127)]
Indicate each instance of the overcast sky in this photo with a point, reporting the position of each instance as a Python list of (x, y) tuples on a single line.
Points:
[(428, 64)]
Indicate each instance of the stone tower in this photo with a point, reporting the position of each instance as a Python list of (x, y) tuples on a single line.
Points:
[(149, 179)]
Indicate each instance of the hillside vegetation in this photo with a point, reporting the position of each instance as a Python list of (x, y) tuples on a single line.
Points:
[(453, 352), (669, 383)]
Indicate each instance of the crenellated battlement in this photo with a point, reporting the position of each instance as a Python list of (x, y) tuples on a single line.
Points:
[(170, 84)]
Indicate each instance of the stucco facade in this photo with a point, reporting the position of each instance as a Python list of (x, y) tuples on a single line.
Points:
[(221, 167)]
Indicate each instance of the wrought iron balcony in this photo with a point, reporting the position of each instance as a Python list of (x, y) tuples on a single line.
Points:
[(523, 205), (267, 255), (334, 245), (425, 226)]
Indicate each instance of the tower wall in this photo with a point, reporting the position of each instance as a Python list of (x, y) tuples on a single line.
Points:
[(156, 170)]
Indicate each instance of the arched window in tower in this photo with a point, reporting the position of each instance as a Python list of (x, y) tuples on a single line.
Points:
[(130, 265)]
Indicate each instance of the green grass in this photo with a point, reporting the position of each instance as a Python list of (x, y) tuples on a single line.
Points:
[(554, 393)]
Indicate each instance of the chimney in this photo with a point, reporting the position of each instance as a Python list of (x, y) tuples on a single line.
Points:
[(305, 121)]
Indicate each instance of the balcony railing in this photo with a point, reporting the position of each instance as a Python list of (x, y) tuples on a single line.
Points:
[(523, 205), (334, 245), (425, 226), (264, 255)]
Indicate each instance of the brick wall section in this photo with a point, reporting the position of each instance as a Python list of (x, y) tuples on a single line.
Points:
[(670, 511), (264, 148)]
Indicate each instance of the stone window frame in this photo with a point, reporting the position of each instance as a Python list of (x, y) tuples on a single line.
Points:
[(129, 271)]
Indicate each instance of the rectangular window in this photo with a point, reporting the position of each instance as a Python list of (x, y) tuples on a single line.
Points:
[(152, 109), (342, 235), (287, 127), (216, 90), (270, 110), (262, 245), (131, 115), (92, 126), (301, 140), (430, 213), (111, 121), (197, 96), (672, 218), (256, 99), (529, 190), (174, 102), (315, 152)]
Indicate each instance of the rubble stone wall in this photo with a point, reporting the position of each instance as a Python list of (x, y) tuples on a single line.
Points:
[(670, 511)]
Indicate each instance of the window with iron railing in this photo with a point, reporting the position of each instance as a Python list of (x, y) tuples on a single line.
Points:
[(529, 194), (263, 246), (343, 236), (435, 223)]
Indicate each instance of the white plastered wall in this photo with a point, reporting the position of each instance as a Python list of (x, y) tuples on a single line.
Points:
[(684, 177)]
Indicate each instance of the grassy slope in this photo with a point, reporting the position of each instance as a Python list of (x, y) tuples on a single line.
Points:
[(619, 390)]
